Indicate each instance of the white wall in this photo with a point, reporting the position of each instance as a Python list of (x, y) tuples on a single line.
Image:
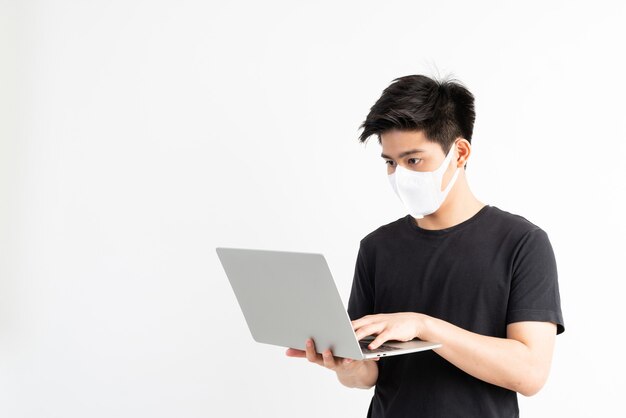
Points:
[(136, 136)]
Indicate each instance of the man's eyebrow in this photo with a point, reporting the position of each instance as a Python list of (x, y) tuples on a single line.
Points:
[(405, 153)]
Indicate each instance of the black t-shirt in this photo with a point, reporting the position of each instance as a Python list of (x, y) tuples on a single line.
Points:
[(482, 274)]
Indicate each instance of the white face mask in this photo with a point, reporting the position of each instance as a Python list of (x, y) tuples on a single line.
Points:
[(420, 191)]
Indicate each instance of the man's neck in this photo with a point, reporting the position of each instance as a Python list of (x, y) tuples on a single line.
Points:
[(459, 206)]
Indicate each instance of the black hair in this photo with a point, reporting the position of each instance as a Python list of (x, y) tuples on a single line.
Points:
[(443, 110)]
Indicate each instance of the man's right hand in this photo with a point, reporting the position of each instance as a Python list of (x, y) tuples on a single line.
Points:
[(349, 372)]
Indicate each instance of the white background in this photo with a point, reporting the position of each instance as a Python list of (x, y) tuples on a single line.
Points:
[(136, 136)]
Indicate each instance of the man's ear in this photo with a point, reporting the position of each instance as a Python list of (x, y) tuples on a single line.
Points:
[(464, 148)]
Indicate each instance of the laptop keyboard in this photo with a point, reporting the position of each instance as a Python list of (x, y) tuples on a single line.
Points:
[(383, 348)]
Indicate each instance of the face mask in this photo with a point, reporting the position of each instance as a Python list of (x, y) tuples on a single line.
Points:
[(420, 191)]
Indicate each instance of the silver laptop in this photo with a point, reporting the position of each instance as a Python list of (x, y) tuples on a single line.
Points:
[(287, 297)]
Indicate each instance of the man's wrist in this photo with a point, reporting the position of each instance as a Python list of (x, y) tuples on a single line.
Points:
[(424, 327), (352, 371), (361, 376)]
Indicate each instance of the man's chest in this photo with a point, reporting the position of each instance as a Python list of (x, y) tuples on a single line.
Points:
[(455, 279)]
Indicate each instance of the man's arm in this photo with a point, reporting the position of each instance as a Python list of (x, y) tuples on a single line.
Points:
[(521, 362)]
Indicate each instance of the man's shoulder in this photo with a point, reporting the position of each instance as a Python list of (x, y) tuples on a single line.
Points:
[(510, 222), (388, 230)]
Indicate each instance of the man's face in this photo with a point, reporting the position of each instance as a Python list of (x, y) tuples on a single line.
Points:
[(413, 151)]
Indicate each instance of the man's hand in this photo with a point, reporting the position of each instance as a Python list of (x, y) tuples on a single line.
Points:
[(326, 359), (402, 326), (351, 373)]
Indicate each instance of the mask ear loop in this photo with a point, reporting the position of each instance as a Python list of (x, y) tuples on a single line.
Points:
[(444, 166), (451, 182)]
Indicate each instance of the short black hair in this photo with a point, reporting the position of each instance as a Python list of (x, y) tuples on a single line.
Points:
[(442, 109)]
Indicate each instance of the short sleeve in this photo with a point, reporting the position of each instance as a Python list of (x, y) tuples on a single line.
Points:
[(361, 300), (534, 293)]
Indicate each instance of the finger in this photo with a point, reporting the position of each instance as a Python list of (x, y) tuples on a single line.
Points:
[(293, 352), (329, 360), (372, 320), (371, 329), (311, 355), (358, 323), (379, 340)]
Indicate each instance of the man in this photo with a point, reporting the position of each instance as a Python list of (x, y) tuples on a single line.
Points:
[(478, 280)]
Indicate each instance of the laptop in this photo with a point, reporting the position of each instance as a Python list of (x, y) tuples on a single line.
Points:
[(288, 297)]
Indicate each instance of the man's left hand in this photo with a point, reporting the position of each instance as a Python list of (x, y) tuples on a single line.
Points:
[(402, 326)]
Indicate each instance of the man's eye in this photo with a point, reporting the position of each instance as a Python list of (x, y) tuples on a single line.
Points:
[(414, 160), (389, 162)]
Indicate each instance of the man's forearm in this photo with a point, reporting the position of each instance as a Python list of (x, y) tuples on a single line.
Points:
[(504, 362), (363, 378)]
